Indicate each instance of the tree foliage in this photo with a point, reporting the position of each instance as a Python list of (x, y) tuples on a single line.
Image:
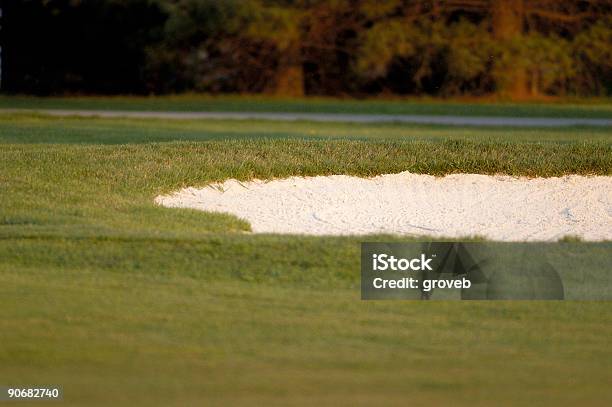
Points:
[(293, 47)]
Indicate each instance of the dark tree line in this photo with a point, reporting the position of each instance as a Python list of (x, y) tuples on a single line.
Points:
[(519, 48)]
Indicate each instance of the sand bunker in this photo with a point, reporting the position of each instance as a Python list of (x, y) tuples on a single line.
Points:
[(496, 207)]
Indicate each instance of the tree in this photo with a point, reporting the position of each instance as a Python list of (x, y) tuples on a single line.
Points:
[(528, 46), (280, 27), (507, 23), (529, 36), (593, 52), (234, 45)]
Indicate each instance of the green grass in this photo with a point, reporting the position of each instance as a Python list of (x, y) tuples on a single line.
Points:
[(597, 108), (126, 303), (29, 128)]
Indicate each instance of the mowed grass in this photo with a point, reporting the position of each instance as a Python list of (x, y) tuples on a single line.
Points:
[(33, 128), (126, 303), (586, 108)]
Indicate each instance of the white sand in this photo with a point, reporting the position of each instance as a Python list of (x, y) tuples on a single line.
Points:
[(496, 207)]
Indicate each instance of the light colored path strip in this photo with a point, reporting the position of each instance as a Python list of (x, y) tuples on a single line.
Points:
[(333, 117)]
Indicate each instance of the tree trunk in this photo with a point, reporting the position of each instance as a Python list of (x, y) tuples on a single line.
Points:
[(508, 17), (290, 74), (290, 81), (534, 83)]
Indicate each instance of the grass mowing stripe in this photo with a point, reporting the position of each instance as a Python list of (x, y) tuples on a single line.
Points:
[(587, 108), (48, 129)]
